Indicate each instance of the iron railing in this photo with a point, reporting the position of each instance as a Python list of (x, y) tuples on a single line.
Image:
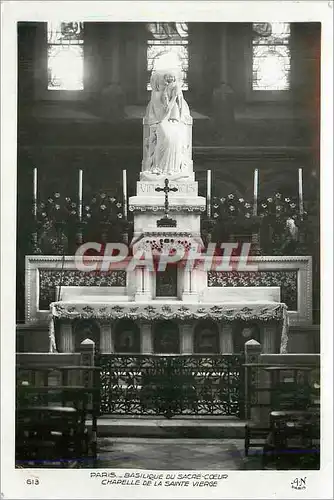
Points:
[(170, 385)]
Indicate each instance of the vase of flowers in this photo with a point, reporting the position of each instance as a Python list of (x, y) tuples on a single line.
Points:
[(55, 216), (106, 213), (235, 220), (282, 223)]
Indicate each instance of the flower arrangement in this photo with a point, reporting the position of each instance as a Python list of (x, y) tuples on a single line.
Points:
[(231, 206), (102, 209), (234, 210), (57, 209), (278, 209)]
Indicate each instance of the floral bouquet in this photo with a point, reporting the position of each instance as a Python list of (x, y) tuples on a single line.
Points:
[(278, 209), (235, 211), (102, 209), (57, 209)]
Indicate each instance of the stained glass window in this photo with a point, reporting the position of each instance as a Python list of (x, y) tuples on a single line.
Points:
[(167, 48), (65, 56), (271, 56)]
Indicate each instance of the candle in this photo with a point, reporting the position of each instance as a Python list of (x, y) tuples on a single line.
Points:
[(35, 193), (300, 191), (256, 190), (208, 194), (80, 195), (125, 200)]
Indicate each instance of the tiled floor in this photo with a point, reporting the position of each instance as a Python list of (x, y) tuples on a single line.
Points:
[(173, 454)]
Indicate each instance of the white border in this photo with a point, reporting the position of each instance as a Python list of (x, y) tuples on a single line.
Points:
[(75, 483)]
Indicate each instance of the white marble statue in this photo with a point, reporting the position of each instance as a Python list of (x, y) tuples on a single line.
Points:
[(167, 129)]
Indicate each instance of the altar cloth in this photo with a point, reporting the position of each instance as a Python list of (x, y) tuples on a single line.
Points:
[(160, 310)]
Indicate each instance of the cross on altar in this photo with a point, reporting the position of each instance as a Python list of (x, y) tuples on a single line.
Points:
[(166, 221)]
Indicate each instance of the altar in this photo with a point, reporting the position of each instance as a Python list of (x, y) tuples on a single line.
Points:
[(184, 318), (207, 310)]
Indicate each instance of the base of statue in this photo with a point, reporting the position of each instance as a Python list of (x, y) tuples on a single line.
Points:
[(148, 175)]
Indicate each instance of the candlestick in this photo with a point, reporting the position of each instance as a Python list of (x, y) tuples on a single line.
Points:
[(208, 194), (300, 191), (125, 197), (80, 195), (256, 190), (35, 193)]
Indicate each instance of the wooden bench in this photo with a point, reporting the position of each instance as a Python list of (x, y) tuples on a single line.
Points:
[(255, 437), (291, 394), (51, 419), (294, 439)]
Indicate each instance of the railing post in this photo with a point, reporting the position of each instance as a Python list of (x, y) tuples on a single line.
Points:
[(253, 350), (87, 358)]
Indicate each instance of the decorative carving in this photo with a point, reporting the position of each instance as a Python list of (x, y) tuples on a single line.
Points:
[(261, 312), (286, 280), (158, 244), (160, 208), (49, 279)]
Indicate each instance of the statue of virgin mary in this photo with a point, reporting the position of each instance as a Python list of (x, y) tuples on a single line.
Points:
[(167, 137)]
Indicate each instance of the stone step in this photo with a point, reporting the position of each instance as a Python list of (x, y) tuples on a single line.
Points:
[(215, 428)]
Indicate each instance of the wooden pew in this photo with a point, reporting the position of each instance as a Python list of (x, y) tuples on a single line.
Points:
[(51, 419), (292, 397)]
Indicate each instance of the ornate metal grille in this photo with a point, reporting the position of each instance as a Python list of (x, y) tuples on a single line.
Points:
[(171, 385)]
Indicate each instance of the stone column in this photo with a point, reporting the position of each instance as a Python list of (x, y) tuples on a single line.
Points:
[(66, 336), (226, 338), (143, 284), (146, 340), (186, 281), (147, 282), (269, 338), (106, 336), (187, 333), (189, 292)]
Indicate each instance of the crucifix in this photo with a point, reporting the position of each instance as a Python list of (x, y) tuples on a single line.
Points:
[(166, 221)]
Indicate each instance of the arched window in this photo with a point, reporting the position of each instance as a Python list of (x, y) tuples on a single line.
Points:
[(244, 331), (65, 55), (206, 340), (86, 329), (166, 337), (127, 337), (271, 56), (167, 48)]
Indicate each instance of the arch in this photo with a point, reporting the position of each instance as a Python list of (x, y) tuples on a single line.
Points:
[(166, 337), (127, 336), (86, 329), (206, 338), (244, 331)]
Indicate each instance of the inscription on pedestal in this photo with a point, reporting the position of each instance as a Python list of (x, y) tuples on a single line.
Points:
[(189, 188)]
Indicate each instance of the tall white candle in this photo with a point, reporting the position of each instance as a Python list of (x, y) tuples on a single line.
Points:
[(125, 196), (300, 191), (80, 195), (35, 193), (208, 194), (256, 190)]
